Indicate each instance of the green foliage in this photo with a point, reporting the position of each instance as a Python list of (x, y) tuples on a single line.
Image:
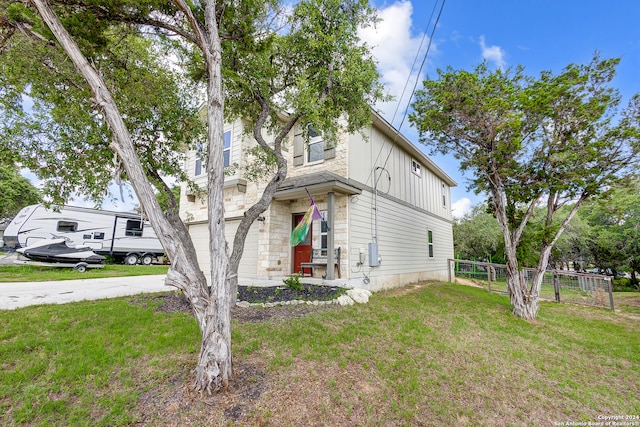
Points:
[(532, 142), (477, 236), (307, 67), (62, 136), (522, 136), (614, 239), (293, 282), (16, 192)]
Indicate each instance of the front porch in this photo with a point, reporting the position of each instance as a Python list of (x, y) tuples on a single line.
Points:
[(277, 259)]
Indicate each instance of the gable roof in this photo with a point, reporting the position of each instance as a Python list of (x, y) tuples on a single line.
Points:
[(408, 146)]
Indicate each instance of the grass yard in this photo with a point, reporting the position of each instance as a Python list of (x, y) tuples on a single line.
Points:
[(33, 273), (427, 354)]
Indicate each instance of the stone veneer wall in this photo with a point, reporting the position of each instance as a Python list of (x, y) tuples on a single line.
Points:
[(275, 253)]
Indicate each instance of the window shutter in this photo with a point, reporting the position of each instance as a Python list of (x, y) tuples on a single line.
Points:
[(298, 146), (329, 150)]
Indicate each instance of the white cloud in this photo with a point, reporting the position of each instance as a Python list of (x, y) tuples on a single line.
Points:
[(395, 49), (461, 207), (493, 54)]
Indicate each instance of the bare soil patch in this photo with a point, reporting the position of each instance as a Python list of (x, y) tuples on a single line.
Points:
[(174, 403)]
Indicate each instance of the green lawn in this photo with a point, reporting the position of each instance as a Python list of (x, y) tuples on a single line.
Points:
[(32, 273), (427, 354)]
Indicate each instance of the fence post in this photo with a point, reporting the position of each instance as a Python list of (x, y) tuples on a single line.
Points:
[(610, 289), (556, 285), (449, 262)]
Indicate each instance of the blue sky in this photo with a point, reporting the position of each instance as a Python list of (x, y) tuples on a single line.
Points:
[(539, 35)]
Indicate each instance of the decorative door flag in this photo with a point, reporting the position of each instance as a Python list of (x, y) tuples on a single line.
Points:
[(300, 232)]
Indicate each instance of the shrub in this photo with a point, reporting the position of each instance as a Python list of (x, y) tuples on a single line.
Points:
[(623, 284), (294, 282)]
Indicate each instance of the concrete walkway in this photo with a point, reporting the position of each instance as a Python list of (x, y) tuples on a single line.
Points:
[(22, 294)]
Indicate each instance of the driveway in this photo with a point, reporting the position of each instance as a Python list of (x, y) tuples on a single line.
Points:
[(22, 294)]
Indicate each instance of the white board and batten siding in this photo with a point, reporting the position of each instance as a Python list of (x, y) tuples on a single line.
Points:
[(249, 261), (402, 240), (424, 191), (410, 204)]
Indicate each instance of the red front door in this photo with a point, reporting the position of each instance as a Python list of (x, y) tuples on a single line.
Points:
[(301, 252)]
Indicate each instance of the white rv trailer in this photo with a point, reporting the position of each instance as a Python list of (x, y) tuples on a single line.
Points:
[(123, 235)]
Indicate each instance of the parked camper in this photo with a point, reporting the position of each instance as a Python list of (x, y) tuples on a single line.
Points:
[(123, 235)]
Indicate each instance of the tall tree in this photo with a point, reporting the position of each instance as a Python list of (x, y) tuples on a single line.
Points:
[(531, 142), (49, 119), (16, 192), (477, 236), (615, 234), (271, 65)]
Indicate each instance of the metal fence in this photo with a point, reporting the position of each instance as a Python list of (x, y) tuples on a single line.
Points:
[(557, 285)]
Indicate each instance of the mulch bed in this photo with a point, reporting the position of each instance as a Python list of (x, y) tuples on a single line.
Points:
[(173, 302), (256, 294)]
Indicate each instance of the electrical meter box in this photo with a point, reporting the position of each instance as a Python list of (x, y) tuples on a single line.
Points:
[(374, 259)]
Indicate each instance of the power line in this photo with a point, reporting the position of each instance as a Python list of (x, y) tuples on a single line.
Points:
[(424, 60), (407, 83)]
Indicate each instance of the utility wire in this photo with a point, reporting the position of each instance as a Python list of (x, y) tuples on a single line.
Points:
[(424, 60), (407, 83)]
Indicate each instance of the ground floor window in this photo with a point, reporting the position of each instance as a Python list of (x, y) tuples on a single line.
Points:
[(323, 233), (430, 240)]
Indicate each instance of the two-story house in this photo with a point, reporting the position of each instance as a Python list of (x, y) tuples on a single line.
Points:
[(384, 203)]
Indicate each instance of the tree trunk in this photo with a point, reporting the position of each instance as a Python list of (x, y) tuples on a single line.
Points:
[(210, 310), (249, 217), (214, 369), (524, 303)]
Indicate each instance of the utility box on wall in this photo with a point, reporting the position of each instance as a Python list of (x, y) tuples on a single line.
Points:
[(374, 259)]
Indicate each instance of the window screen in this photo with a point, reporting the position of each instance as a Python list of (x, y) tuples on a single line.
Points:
[(67, 226), (134, 228)]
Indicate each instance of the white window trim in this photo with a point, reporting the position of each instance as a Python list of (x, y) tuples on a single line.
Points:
[(444, 196), (199, 161), (318, 139), (430, 247), (416, 168)]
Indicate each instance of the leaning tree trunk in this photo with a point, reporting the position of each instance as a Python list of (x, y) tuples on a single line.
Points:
[(214, 365)]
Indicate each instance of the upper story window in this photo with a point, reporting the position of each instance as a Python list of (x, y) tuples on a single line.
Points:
[(315, 150), (200, 166), (226, 154), (416, 168), (444, 196)]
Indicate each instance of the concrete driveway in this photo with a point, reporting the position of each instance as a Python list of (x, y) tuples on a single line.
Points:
[(22, 294)]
